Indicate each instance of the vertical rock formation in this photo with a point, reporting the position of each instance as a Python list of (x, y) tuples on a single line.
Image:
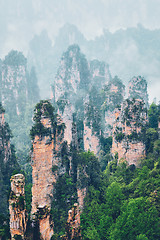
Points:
[(18, 217), (14, 84), (73, 224), (71, 85), (114, 93), (128, 132), (67, 117), (8, 161), (93, 117), (92, 124), (100, 73), (75, 80), (81, 193), (47, 134), (18, 91), (137, 88)]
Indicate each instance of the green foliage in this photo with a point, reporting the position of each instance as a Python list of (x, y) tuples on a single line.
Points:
[(44, 109), (2, 110), (111, 99), (82, 66), (119, 136), (125, 204), (15, 58), (93, 111), (150, 136), (18, 237), (28, 196), (54, 168), (137, 218), (141, 237), (88, 163), (4, 227), (64, 198), (153, 114), (21, 203)]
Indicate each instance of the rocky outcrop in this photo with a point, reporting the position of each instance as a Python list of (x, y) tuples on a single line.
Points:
[(100, 73), (91, 132), (8, 161), (76, 79), (114, 93), (18, 216), (18, 91), (128, 132), (47, 134), (91, 141), (81, 193), (14, 83), (137, 88), (73, 224), (67, 117)]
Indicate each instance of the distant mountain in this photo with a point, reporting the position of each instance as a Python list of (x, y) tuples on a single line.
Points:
[(134, 51)]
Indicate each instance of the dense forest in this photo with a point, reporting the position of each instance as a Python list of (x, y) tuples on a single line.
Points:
[(70, 143)]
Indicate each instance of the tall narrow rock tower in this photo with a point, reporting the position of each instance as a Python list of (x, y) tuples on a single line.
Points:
[(128, 132), (47, 134), (18, 217)]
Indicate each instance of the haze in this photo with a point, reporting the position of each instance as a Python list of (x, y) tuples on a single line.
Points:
[(21, 20)]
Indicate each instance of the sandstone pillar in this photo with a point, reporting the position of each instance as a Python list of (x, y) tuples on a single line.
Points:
[(18, 216)]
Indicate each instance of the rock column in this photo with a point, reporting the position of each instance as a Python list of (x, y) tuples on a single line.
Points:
[(18, 216)]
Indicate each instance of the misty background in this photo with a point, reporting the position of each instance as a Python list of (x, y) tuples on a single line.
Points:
[(125, 34)]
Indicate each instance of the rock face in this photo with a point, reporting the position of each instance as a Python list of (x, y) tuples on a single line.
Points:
[(114, 93), (18, 86), (128, 132), (47, 134), (77, 85), (73, 224), (18, 217), (70, 86), (8, 161), (18, 91), (137, 88), (81, 193), (100, 73)]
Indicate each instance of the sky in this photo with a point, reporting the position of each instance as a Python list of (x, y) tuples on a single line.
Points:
[(20, 20)]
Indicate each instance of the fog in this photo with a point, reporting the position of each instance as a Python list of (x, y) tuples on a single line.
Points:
[(21, 20)]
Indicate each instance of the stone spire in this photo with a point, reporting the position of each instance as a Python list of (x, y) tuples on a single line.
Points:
[(18, 216)]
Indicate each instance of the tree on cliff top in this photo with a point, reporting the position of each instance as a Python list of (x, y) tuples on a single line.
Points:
[(15, 58), (44, 109)]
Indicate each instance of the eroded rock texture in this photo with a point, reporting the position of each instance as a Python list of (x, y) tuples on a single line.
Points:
[(137, 88), (76, 92), (47, 135), (18, 92), (128, 131), (73, 224), (8, 161), (18, 215), (114, 93)]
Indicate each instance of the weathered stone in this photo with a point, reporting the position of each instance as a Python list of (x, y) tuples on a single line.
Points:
[(91, 141), (81, 193), (114, 95), (137, 88), (100, 73), (45, 167), (73, 230), (13, 78), (18, 216), (127, 132)]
